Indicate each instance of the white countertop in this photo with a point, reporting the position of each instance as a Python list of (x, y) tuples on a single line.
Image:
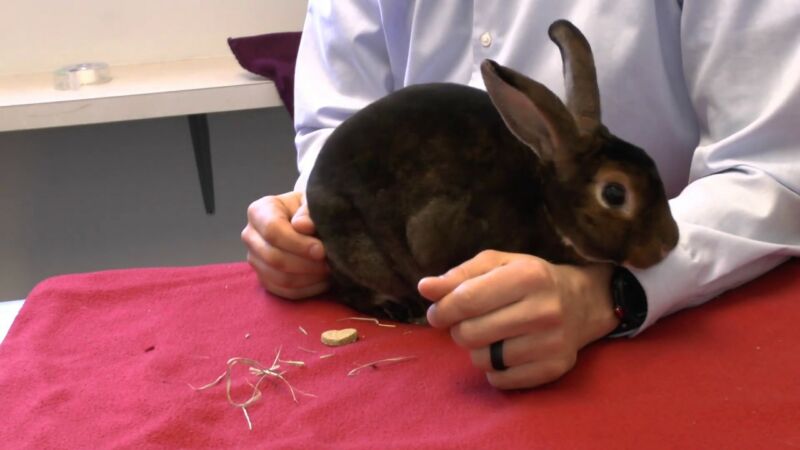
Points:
[(139, 91), (8, 312)]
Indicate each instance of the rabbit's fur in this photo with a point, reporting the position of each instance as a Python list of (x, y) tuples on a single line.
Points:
[(428, 176)]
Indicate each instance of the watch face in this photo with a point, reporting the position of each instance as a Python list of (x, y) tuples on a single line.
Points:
[(630, 301)]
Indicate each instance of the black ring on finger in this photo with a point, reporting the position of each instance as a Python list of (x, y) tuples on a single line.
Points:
[(496, 355)]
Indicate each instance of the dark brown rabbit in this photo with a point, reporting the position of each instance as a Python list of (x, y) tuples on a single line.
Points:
[(428, 176)]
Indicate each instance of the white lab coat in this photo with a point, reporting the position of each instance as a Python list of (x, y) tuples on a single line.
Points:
[(711, 89)]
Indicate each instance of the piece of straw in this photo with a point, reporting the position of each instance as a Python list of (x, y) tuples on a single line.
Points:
[(375, 364), (370, 319), (263, 373), (294, 363), (302, 330), (247, 418)]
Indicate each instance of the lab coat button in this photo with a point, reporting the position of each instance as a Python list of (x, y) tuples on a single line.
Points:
[(486, 39)]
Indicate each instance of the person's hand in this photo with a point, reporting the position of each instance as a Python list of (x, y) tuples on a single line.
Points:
[(289, 260), (543, 313)]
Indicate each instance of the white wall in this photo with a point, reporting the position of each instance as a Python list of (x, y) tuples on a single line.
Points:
[(126, 194), (43, 35)]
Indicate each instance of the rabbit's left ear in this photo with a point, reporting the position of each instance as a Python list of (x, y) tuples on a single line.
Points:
[(580, 75), (535, 115)]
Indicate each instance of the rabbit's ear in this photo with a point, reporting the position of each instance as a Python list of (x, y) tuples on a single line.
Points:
[(532, 112), (580, 77)]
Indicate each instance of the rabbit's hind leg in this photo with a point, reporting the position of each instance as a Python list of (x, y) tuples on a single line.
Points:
[(363, 274), (409, 309), (367, 283)]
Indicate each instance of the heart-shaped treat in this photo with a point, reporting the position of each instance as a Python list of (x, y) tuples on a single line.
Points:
[(335, 338)]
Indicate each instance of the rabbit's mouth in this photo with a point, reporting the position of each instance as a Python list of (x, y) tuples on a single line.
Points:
[(640, 253), (648, 256), (641, 258), (584, 255), (651, 252)]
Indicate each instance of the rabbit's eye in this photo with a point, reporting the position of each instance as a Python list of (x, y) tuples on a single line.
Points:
[(614, 194)]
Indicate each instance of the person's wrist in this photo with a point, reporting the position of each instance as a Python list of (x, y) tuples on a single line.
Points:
[(599, 316)]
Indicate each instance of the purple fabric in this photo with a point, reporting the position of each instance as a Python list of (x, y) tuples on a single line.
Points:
[(272, 56)]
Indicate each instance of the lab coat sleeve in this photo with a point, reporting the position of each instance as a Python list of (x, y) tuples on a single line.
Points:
[(739, 216), (342, 66)]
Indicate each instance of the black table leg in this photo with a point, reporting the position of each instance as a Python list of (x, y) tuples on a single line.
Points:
[(198, 126)]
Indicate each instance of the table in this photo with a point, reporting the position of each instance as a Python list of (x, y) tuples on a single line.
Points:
[(108, 360), (8, 312)]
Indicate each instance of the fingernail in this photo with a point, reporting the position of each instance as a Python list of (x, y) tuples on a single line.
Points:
[(430, 313), (316, 251)]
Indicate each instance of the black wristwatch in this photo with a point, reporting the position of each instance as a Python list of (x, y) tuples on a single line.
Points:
[(630, 301)]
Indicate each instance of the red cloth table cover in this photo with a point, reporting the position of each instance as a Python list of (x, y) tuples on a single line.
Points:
[(103, 360)]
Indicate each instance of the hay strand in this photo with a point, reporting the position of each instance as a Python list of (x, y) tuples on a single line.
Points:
[(380, 362), (370, 319)]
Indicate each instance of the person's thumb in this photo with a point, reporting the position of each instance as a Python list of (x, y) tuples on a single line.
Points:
[(301, 220)]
